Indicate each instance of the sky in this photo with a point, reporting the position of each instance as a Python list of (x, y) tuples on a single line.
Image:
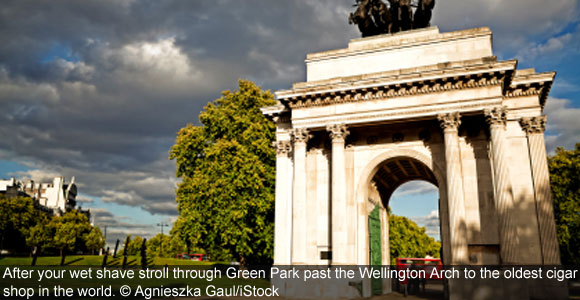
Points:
[(97, 89)]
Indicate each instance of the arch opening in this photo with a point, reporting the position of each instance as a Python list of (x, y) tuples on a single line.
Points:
[(394, 174), (405, 174)]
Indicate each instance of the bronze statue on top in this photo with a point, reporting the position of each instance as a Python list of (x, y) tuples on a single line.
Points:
[(374, 17)]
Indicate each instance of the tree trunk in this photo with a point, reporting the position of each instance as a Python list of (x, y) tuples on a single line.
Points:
[(62, 254), (35, 251), (242, 262), (1, 242), (105, 257)]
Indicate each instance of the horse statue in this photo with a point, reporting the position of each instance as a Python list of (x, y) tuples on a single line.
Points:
[(423, 14), (382, 16), (405, 15), (395, 16), (363, 19), (375, 17)]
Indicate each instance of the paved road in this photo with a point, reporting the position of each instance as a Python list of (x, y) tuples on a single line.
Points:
[(432, 292)]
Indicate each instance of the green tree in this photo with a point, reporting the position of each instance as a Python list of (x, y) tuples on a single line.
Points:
[(226, 198), (40, 235), (565, 183), (17, 216), (175, 246), (407, 239), (159, 246), (68, 231), (134, 247), (94, 240)]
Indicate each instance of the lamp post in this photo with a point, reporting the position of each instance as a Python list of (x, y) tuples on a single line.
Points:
[(161, 225)]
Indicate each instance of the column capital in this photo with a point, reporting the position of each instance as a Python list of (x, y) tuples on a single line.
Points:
[(533, 125), (338, 132), (449, 121), (282, 147), (496, 116), (300, 135)]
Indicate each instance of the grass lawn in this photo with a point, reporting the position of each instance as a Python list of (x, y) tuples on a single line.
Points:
[(86, 262)]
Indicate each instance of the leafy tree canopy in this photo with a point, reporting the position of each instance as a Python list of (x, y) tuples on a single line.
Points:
[(40, 235), (407, 239), (23, 223), (565, 183), (134, 247), (163, 245), (226, 197), (17, 216), (94, 239), (68, 230)]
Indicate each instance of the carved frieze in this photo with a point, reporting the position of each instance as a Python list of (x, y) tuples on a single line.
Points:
[(522, 91), (397, 90)]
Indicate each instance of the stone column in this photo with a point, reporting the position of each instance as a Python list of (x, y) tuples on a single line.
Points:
[(283, 221), (339, 236), (504, 202), (455, 195), (299, 226), (534, 128)]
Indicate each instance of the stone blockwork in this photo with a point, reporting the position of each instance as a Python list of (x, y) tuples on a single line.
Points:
[(417, 105)]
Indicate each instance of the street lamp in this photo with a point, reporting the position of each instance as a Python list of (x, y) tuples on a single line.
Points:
[(161, 225)]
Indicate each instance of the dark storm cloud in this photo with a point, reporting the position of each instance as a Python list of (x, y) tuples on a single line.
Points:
[(99, 88)]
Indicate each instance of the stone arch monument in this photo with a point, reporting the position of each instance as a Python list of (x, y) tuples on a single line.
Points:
[(414, 105)]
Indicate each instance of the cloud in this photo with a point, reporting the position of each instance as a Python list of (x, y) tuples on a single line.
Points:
[(39, 176), (430, 222), (564, 86), (515, 23), (83, 199), (417, 187), (98, 89), (102, 98), (153, 191), (552, 45), (563, 126)]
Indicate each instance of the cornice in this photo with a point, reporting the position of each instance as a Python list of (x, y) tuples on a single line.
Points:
[(536, 84), (429, 72), (401, 83)]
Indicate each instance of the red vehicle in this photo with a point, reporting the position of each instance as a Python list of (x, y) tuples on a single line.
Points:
[(426, 264), (193, 256), (199, 257)]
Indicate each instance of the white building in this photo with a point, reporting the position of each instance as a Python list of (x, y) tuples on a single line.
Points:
[(57, 197), (4, 184)]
